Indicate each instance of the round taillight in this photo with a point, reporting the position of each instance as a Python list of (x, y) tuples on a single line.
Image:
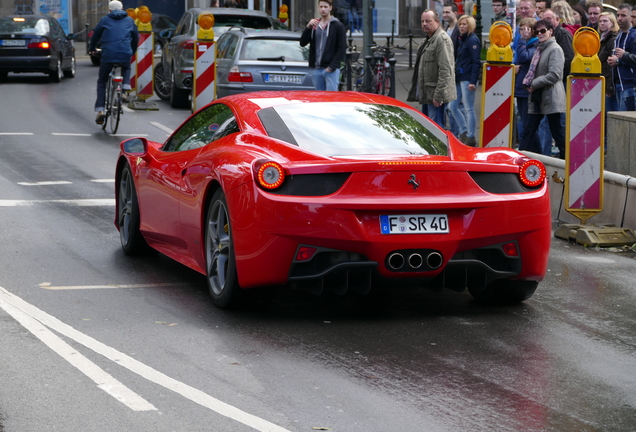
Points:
[(532, 173), (270, 175)]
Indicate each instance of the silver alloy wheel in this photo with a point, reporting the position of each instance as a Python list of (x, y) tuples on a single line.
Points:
[(125, 206), (217, 246)]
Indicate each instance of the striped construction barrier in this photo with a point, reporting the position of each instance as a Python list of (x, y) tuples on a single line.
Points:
[(585, 133), (204, 85), (144, 70), (497, 105)]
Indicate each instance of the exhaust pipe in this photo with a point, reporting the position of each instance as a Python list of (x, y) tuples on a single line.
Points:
[(416, 261), (434, 260), (187, 82), (396, 261)]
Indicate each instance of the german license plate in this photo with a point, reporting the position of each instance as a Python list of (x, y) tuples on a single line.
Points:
[(277, 78), (414, 224), (13, 42)]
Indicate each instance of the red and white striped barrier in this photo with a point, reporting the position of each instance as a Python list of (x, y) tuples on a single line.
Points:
[(585, 146), (133, 72), (204, 86), (497, 105), (144, 81)]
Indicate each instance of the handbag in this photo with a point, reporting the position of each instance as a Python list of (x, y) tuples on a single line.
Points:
[(535, 96)]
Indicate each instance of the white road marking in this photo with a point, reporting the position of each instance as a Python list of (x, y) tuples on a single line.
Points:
[(16, 133), (76, 202), (129, 135), (48, 286), (103, 180), (45, 183), (71, 134), (197, 396), (103, 380), (162, 127)]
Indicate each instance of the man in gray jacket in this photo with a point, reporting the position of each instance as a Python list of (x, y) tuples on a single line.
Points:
[(436, 74)]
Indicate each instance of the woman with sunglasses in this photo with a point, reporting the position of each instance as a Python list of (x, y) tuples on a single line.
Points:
[(544, 82)]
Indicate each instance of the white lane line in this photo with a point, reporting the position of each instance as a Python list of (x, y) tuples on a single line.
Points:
[(16, 133), (76, 202), (139, 368), (45, 183), (103, 180), (129, 135), (103, 380), (162, 127), (71, 134), (47, 285)]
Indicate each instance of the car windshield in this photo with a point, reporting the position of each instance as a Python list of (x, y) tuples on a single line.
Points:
[(270, 49), (30, 25), (347, 128)]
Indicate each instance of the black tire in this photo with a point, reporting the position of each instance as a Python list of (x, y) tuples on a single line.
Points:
[(162, 83), (504, 291), (219, 254), (107, 106), (132, 241), (56, 74), (179, 97), (115, 110), (70, 72)]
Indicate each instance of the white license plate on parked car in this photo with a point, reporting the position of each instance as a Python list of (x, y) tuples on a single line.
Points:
[(13, 42), (414, 224), (276, 78)]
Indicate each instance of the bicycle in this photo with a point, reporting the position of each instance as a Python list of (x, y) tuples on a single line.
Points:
[(381, 69), (113, 103), (356, 68)]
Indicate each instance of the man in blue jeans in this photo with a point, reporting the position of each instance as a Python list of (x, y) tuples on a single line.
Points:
[(119, 37), (326, 36)]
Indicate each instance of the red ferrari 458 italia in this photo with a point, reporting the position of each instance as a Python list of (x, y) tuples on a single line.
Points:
[(334, 191)]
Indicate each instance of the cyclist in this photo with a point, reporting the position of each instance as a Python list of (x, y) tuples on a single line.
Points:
[(119, 37)]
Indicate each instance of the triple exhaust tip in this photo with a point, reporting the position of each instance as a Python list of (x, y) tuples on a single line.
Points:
[(415, 261)]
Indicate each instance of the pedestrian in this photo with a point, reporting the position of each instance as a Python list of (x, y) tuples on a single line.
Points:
[(449, 15), (608, 28), (541, 6), (580, 16), (632, 17), (565, 14), (467, 66), (594, 10), (436, 75), (525, 51), (545, 88), (119, 37), (563, 37), (327, 47), (623, 74), (499, 8)]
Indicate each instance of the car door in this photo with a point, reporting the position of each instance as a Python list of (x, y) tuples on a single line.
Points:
[(64, 46)]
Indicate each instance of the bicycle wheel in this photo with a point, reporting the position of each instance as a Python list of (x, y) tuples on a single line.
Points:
[(115, 109), (109, 85), (386, 83)]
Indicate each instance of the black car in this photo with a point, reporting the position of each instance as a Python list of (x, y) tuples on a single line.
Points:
[(159, 23), (35, 43)]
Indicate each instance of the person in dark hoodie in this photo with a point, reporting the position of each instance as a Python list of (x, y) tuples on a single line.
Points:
[(119, 37), (326, 36)]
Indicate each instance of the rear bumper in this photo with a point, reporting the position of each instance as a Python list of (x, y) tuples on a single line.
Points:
[(26, 64)]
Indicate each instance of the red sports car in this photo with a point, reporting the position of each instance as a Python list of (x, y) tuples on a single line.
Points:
[(334, 191)]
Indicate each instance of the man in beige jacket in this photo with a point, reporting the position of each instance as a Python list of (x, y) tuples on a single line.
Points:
[(436, 74)]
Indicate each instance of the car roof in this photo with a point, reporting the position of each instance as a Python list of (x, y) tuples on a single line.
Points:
[(230, 11), (275, 34)]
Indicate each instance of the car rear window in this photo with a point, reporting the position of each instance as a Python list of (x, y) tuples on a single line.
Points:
[(347, 128), (35, 26), (254, 22), (269, 49)]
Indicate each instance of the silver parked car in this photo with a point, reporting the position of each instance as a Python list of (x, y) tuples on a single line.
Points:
[(255, 60), (173, 75)]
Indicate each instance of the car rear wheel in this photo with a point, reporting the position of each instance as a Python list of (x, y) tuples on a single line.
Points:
[(504, 291), (70, 72), (56, 74), (219, 253), (96, 60), (132, 242), (179, 97), (162, 83)]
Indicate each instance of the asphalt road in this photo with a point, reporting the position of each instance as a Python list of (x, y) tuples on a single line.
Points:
[(92, 340)]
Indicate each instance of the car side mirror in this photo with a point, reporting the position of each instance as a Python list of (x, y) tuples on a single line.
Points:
[(135, 147), (71, 36), (166, 34)]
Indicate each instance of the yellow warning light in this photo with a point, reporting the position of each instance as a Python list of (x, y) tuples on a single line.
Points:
[(206, 20), (144, 15), (586, 42), (500, 34), (284, 8), (500, 50), (132, 13)]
